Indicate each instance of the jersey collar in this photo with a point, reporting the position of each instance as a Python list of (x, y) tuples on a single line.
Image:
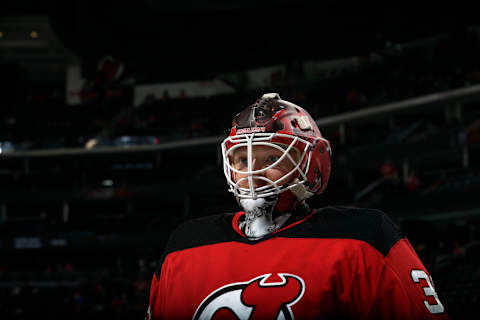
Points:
[(299, 216)]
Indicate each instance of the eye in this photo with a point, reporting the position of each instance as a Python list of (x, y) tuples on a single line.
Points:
[(241, 161), (272, 158)]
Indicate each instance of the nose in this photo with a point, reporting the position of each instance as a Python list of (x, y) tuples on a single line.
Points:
[(256, 165)]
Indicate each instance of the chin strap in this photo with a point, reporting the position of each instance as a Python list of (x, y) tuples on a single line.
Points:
[(300, 191), (290, 200)]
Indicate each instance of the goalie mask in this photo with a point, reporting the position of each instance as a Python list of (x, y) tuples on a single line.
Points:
[(287, 128)]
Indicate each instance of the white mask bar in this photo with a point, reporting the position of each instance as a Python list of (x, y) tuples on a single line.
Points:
[(249, 163), (272, 187)]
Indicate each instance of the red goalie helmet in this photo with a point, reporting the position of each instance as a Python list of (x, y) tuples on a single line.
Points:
[(280, 124)]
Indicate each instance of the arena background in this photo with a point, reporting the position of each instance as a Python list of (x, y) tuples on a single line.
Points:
[(112, 114)]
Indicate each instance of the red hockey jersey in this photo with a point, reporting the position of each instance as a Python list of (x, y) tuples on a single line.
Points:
[(333, 263)]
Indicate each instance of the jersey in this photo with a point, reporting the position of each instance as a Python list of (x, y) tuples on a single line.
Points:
[(331, 263)]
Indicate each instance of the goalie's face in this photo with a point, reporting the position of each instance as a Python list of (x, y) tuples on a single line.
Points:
[(265, 162)]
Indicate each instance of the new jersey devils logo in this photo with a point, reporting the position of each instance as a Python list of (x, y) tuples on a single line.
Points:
[(263, 297)]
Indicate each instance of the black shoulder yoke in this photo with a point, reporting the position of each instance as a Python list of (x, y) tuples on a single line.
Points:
[(369, 225)]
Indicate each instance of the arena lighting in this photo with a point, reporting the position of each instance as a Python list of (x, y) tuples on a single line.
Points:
[(107, 183), (34, 34)]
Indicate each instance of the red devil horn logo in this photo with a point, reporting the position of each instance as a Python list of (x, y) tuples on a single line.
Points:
[(269, 300), (254, 299)]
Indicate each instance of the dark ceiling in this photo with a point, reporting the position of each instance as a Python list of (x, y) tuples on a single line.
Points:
[(199, 39)]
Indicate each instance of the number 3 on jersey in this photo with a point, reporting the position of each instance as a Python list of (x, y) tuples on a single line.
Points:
[(429, 291)]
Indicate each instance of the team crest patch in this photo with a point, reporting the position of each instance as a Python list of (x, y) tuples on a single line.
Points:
[(263, 297)]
